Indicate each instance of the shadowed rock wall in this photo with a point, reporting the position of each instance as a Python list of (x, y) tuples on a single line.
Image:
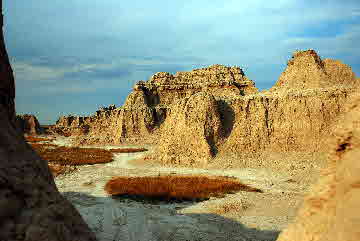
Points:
[(28, 124)]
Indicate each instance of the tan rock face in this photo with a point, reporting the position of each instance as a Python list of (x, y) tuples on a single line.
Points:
[(310, 94), (145, 109), (306, 70), (289, 121), (191, 131), (31, 208), (331, 210), (28, 124), (218, 80)]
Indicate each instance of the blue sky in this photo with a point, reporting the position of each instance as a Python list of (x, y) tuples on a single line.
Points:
[(71, 57)]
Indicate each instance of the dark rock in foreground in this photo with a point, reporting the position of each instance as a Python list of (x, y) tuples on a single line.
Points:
[(31, 208), (28, 124)]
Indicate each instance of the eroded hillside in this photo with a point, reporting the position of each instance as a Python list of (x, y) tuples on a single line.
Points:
[(219, 110)]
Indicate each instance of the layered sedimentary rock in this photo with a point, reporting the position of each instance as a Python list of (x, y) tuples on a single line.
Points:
[(331, 210), (192, 131), (147, 107), (281, 122), (293, 116), (218, 80), (31, 208), (306, 70), (28, 124), (309, 95)]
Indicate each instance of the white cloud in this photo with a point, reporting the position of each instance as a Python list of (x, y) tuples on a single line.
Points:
[(144, 36), (28, 72), (342, 44)]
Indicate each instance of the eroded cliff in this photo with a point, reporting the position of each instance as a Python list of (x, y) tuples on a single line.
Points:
[(147, 107), (330, 210), (296, 113)]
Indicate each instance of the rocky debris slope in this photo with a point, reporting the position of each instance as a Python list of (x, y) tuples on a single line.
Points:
[(28, 124), (31, 208), (331, 211)]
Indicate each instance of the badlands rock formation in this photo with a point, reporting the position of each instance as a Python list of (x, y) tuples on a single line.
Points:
[(147, 107), (281, 122), (31, 207), (297, 112), (192, 131), (331, 210), (306, 70), (28, 124)]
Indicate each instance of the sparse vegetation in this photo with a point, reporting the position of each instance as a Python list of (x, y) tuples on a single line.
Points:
[(34, 139), (180, 187), (128, 150), (73, 155), (76, 155), (64, 159)]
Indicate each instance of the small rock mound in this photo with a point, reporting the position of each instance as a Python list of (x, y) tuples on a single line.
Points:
[(191, 131), (306, 70), (28, 124)]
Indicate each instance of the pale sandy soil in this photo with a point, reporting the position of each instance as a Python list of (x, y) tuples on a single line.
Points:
[(238, 216)]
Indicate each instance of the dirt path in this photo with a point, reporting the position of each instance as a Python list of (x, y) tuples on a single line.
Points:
[(239, 216)]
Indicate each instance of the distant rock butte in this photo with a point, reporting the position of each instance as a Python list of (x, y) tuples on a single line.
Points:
[(146, 108), (295, 113), (218, 80), (306, 70)]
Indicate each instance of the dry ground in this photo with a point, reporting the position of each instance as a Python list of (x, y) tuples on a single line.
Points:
[(63, 160), (238, 215)]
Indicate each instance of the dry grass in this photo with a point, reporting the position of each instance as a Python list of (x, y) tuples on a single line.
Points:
[(72, 155), (35, 139), (128, 150), (37, 146), (56, 169), (180, 187)]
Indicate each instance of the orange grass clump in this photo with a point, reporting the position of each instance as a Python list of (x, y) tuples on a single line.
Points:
[(36, 139), (181, 187), (127, 150), (73, 155)]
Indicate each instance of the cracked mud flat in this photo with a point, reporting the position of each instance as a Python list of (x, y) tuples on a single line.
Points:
[(239, 216)]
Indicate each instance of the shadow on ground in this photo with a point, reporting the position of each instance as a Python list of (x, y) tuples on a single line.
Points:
[(124, 218)]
